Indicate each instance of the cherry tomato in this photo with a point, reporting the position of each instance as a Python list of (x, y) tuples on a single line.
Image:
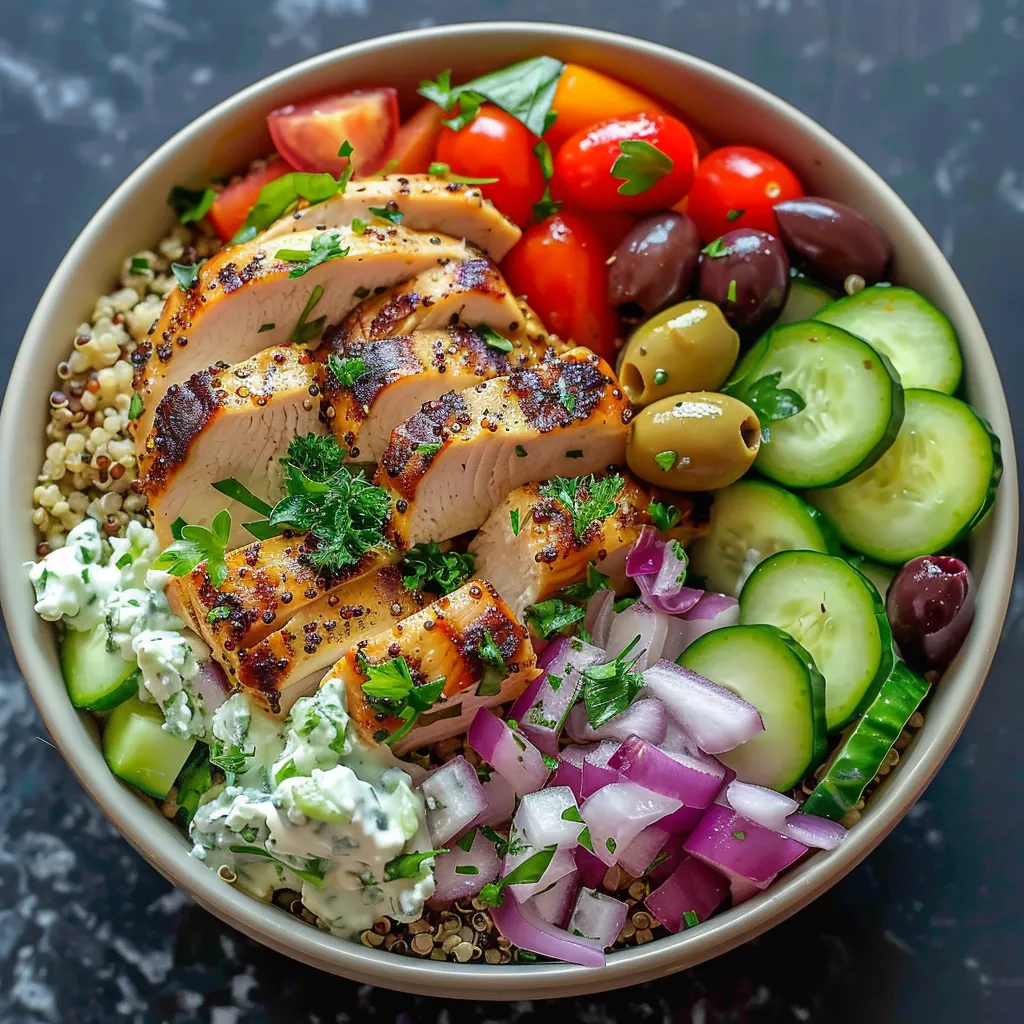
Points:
[(560, 266), (416, 140), (495, 145), (584, 96), (232, 206), (584, 164), (308, 135), (736, 187)]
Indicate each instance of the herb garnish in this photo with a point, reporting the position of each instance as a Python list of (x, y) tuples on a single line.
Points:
[(191, 205), (281, 196), (587, 499), (233, 488), (408, 865), (595, 581), (666, 459), (531, 870), (232, 760), (495, 669), (640, 166), (307, 330), (610, 844), (690, 918), (513, 518), (610, 688), (186, 274), (572, 813), (520, 452), (770, 402), (730, 293), (553, 616), (428, 448), (266, 327), (734, 215), (716, 249), (467, 869), (427, 567), (198, 544), (551, 763), (222, 611), (346, 371), (466, 842), (546, 206), (324, 248), (390, 212), (492, 338), (135, 407), (345, 149), (439, 170), (139, 265), (663, 516), (390, 687)]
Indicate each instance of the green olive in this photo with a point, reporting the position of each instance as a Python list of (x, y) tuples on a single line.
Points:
[(687, 347), (694, 442)]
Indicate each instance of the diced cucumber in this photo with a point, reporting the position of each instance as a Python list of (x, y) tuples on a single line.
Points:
[(770, 670), (857, 760), (804, 300), (140, 751), (918, 338), (97, 677), (854, 403), (835, 613), (927, 491), (750, 520), (880, 575)]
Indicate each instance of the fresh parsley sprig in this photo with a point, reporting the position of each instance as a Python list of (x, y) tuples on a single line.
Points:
[(610, 688), (323, 248), (531, 870), (770, 402), (191, 205), (408, 865), (390, 687), (198, 544), (595, 581), (495, 668), (586, 498), (427, 567), (281, 196), (553, 616), (640, 166), (390, 212), (346, 371), (663, 516), (186, 274)]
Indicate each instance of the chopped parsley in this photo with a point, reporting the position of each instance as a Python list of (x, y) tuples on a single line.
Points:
[(610, 844), (186, 274), (495, 669), (190, 205), (640, 166), (730, 293), (716, 249), (390, 688), (346, 371), (733, 215), (690, 918), (587, 499), (520, 451), (222, 611), (359, 227), (139, 265), (427, 567), (513, 518), (663, 516), (666, 459), (531, 870), (307, 330), (428, 448), (198, 544), (585, 841), (551, 763), (408, 865), (770, 402), (467, 869), (324, 248), (546, 206), (740, 835), (281, 196), (493, 339), (135, 407), (266, 327), (553, 616), (595, 581), (390, 212), (572, 813), (466, 842), (610, 688)]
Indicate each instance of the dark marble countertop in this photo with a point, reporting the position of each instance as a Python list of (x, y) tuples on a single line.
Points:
[(931, 927)]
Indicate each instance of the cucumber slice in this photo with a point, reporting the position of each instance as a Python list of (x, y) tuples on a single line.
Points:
[(770, 670), (928, 490), (140, 751), (835, 614), (857, 760), (97, 677), (854, 404), (906, 327), (880, 575), (804, 300), (750, 520)]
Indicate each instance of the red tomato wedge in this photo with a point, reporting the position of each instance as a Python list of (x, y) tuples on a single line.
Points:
[(308, 135), (232, 206), (413, 151)]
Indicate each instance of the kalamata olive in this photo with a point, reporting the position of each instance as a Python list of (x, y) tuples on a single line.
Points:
[(830, 240), (653, 265), (687, 347), (746, 272), (930, 604), (693, 442)]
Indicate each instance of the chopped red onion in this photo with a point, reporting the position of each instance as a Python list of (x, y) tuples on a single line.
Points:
[(638, 620), (712, 611), (525, 928), (813, 831), (692, 887), (659, 569), (675, 855), (714, 716), (542, 821), (509, 752), (596, 772), (682, 822), (598, 917), (210, 684), (600, 611), (641, 853), (618, 812), (694, 781), (742, 889), (527, 698), (551, 652), (460, 874), (592, 870), (645, 558), (454, 799), (555, 904), (646, 718), (570, 769), (726, 840), (501, 801), (766, 807), (560, 865)]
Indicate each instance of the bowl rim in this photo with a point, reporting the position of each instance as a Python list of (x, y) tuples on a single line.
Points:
[(350, 959)]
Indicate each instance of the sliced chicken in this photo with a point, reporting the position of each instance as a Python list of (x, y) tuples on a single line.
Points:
[(244, 299), (232, 421), (290, 662), (400, 374), (444, 640), (449, 465), (426, 204), (472, 292), (531, 547), (268, 582)]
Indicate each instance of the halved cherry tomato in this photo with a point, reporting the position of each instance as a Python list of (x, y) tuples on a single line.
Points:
[(584, 164), (416, 140), (736, 187), (495, 145), (232, 206), (308, 135), (584, 96), (560, 266)]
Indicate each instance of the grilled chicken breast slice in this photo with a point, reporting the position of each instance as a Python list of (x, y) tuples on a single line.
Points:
[(426, 204), (444, 640), (448, 466), (290, 662), (222, 422), (472, 292), (543, 552), (268, 582), (244, 299), (399, 375)]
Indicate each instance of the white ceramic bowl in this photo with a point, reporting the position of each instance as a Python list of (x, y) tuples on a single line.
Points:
[(728, 109)]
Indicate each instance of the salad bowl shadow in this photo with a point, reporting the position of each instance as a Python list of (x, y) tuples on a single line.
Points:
[(729, 109)]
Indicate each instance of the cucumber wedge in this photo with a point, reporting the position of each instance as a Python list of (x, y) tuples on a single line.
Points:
[(97, 678), (904, 326), (750, 520), (770, 670), (804, 300), (835, 614), (858, 758), (854, 403), (140, 751), (927, 491)]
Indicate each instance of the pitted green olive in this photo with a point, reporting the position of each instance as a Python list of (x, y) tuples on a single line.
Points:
[(699, 441), (688, 347)]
